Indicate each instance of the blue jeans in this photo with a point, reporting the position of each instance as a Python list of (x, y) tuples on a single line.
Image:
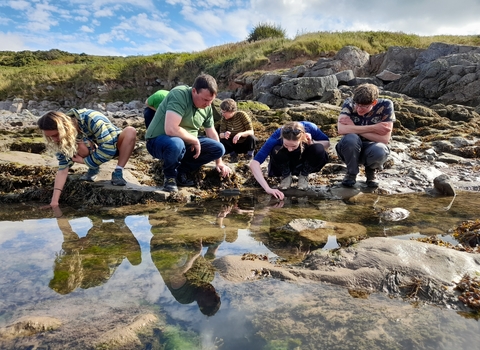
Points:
[(354, 151), (178, 158)]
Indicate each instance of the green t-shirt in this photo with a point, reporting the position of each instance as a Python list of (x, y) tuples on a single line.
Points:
[(157, 98), (179, 100)]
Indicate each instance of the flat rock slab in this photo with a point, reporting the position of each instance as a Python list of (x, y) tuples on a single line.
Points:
[(319, 230)]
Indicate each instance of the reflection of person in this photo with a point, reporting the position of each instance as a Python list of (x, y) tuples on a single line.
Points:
[(91, 260), (151, 105), (231, 208), (186, 273), (297, 148), (173, 134), (236, 131), (366, 122), (87, 137)]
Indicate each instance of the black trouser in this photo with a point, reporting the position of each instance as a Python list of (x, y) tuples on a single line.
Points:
[(148, 113), (283, 163), (247, 145)]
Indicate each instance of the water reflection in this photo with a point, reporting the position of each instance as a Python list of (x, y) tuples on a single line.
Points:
[(159, 260), (186, 273), (90, 261)]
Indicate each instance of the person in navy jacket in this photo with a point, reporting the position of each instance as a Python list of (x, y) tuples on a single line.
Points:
[(297, 148)]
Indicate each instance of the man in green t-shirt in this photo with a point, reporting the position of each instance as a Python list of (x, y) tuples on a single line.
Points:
[(151, 105), (173, 133)]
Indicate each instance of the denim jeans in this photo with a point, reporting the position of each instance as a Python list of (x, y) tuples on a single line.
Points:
[(354, 151), (178, 157)]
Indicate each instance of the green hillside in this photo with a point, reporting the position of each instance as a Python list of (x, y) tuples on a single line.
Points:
[(58, 75)]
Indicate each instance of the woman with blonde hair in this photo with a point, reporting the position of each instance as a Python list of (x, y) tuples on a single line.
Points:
[(297, 148), (87, 137)]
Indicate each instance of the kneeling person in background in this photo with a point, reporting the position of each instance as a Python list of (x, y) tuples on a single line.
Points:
[(236, 131)]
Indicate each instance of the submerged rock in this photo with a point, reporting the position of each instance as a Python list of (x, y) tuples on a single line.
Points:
[(393, 214), (28, 326), (319, 230)]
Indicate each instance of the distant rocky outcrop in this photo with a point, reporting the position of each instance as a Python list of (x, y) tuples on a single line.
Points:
[(449, 74)]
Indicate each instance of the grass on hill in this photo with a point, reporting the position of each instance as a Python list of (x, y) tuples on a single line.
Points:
[(58, 75)]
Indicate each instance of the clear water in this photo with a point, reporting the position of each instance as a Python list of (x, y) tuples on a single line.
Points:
[(98, 271)]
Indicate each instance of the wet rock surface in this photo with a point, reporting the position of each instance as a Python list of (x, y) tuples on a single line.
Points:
[(399, 268), (424, 146)]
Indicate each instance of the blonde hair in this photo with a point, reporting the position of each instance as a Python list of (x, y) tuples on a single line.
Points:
[(294, 131), (67, 133)]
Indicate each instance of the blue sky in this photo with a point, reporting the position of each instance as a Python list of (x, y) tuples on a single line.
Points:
[(146, 27)]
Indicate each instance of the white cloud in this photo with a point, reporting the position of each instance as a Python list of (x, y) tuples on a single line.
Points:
[(12, 42), (105, 38), (19, 5), (86, 29), (81, 19), (103, 13), (82, 12), (97, 4)]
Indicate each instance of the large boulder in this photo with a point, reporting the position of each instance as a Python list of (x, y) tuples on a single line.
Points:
[(305, 89)]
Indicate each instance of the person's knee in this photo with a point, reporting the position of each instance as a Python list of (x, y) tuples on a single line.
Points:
[(219, 150), (175, 146), (350, 140), (131, 131), (376, 156), (166, 147), (349, 144)]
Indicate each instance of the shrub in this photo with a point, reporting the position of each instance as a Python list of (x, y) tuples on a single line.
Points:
[(266, 31)]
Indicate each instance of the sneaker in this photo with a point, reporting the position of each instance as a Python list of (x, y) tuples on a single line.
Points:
[(170, 184), (371, 177), (233, 157), (302, 182), (90, 175), (349, 180), (117, 178), (286, 182), (249, 155), (184, 181)]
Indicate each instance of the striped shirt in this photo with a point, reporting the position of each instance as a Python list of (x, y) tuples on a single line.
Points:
[(239, 122), (97, 128)]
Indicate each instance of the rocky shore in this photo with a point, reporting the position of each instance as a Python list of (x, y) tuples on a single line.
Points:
[(435, 149)]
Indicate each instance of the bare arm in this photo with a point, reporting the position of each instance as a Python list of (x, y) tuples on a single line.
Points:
[(173, 128), (60, 180), (325, 143), (212, 134), (178, 278), (257, 173), (242, 134), (223, 169)]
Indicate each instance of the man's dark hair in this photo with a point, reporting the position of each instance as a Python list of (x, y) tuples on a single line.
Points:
[(365, 94), (205, 81)]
